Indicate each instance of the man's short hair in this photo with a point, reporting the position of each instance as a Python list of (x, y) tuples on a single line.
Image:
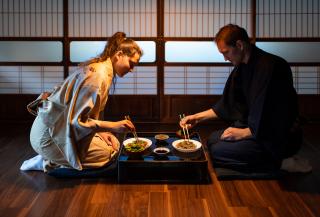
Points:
[(231, 33)]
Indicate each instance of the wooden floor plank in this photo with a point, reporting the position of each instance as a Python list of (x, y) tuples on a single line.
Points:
[(159, 205), (284, 203)]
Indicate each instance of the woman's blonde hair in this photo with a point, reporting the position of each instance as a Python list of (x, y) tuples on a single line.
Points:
[(117, 42)]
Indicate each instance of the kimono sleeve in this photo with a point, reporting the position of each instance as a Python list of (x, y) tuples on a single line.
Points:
[(272, 107), (85, 112), (231, 106), (280, 104), (257, 96)]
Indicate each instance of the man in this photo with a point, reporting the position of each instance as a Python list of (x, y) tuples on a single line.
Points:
[(260, 103)]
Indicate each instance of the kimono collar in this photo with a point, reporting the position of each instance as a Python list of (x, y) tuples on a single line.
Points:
[(253, 55)]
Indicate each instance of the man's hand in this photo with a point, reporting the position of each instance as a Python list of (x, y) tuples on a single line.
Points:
[(234, 134), (189, 121)]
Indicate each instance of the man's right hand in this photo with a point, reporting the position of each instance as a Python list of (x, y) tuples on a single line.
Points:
[(189, 121)]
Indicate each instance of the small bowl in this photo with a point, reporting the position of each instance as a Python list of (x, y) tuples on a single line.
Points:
[(161, 137), (161, 151)]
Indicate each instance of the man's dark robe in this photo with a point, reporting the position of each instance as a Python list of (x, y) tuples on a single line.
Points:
[(259, 95)]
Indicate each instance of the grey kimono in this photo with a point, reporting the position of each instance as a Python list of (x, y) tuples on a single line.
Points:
[(65, 130)]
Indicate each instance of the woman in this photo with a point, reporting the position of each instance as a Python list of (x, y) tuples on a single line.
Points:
[(67, 131)]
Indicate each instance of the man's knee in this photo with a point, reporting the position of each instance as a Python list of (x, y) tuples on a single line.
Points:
[(214, 138), (218, 152)]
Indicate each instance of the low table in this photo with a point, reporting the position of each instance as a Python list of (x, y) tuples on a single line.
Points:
[(176, 166)]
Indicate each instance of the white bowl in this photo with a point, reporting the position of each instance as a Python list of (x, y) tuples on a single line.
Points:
[(161, 151), (197, 144), (128, 141)]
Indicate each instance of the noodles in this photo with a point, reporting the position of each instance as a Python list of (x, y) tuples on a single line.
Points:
[(187, 145)]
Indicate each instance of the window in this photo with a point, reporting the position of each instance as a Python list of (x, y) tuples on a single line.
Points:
[(192, 52), (83, 50), (293, 51), (30, 51)]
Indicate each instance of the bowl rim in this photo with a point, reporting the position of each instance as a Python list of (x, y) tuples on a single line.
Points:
[(161, 148), (162, 134)]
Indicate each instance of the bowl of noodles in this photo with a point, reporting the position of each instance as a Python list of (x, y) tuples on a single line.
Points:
[(136, 146), (184, 145)]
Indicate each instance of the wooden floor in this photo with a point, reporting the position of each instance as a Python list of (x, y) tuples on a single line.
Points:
[(36, 194)]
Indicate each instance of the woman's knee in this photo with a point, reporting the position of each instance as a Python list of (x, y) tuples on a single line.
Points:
[(39, 136)]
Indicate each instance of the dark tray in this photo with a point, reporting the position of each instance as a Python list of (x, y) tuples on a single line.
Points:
[(173, 167)]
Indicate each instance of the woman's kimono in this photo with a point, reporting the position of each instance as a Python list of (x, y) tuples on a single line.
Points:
[(65, 130)]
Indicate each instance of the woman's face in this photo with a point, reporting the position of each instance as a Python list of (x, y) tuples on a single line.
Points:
[(122, 64)]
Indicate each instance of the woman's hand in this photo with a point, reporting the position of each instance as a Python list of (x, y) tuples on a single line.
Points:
[(111, 140), (121, 126), (234, 134), (117, 126)]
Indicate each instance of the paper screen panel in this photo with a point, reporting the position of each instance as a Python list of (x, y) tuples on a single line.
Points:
[(31, 18), (288, 18), (142, 81), (29, 79), (195, 80), (203, 18), (96, 18)]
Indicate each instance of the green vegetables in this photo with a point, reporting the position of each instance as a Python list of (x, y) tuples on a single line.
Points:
[(136, 146)]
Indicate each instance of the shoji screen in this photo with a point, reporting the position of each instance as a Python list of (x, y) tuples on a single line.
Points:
[(189, 80), (278, 23), (306, 79), (31, 18), (41, 21), (102, 18), (29, 79), (143, 81), (96, 18), (203, 18), (199, 19), (288, 28), (288, 18)]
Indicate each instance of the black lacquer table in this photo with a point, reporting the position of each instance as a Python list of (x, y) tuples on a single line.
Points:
[(174, 167)]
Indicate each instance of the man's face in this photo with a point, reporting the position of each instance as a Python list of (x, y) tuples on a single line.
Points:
[(125, 64), (234, 54)]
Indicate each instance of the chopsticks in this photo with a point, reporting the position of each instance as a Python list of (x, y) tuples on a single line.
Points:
[(185, 129), (127, 117)]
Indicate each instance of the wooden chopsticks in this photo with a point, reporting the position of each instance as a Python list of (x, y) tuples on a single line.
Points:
[(127, 117), (185, 129)]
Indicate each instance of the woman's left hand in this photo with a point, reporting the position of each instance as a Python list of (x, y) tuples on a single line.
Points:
[(234, 134), (110, 139)]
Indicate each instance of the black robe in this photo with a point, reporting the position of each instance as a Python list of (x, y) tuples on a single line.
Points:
[(260, 95)]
